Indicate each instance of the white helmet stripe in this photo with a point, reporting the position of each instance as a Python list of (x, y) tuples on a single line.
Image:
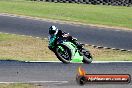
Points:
[(56, 31)]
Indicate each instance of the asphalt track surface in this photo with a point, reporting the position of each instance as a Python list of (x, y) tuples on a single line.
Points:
[(105, 37), (59, 75)]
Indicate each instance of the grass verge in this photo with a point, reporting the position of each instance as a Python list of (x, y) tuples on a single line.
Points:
[(16, 47), (89, 14)]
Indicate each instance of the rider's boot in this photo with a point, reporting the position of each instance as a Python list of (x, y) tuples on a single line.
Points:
[(79, 46)]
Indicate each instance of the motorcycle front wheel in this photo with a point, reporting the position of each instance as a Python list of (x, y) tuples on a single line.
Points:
[(63, 53)]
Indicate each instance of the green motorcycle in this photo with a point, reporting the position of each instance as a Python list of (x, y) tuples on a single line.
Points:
[(68, 52)]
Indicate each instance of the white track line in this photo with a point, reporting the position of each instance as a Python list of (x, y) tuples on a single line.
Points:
[(112, 62), (60, 82), (44, 61), (80, 62)]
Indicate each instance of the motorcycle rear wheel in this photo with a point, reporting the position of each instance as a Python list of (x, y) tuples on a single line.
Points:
[(87, 57)]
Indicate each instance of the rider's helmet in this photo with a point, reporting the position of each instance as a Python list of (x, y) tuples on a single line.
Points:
[(53, 30)]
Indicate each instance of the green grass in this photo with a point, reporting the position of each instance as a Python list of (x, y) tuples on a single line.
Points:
[(110, 55), (16, 47), (17, 86), (89, 14)]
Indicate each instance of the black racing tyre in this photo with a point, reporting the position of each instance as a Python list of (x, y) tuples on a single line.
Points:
[(66, 56), (87, 57)]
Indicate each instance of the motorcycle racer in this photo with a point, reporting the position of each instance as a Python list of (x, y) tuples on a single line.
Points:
[(58, 35), (66, 48)]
